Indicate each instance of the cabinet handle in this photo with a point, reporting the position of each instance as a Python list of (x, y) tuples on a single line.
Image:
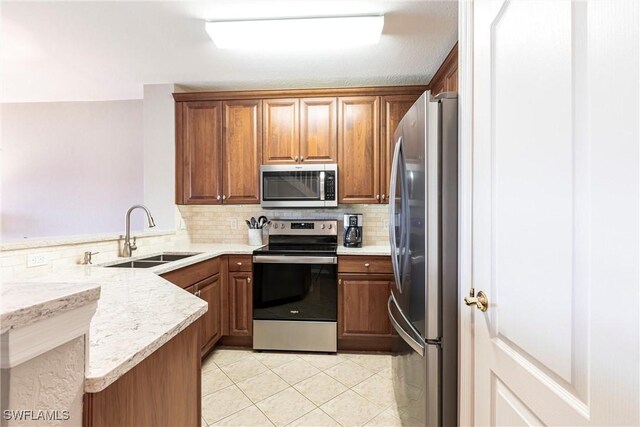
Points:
[(239, 263), (339, 281), (377, 197), (295, 158), (366, 264), (224, 197), (248, 279), (218, 197), (197, 293), (302, 158)]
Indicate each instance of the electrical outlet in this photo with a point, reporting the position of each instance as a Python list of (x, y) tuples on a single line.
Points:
[(233, 224), (35, 260)]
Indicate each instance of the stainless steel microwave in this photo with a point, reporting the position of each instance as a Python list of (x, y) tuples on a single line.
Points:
[(299, 186)]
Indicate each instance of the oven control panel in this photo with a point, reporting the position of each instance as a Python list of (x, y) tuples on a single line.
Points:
[(303, 227)]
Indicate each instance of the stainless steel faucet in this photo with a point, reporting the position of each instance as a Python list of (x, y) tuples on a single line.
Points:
[(129, 247)]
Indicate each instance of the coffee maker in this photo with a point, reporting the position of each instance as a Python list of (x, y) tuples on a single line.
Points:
[(353, 230)]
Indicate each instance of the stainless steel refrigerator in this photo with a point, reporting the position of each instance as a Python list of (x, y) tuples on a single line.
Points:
[(423, 228)]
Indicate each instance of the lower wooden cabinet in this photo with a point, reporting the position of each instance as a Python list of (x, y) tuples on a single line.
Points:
[(364, 307), (363, 293), (210, 290), (240, 304), (162, 390)]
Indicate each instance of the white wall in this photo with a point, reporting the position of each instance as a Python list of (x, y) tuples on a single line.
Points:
[(70, 168), (159, 154)]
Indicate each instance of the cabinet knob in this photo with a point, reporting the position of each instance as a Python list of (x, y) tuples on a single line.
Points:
[(302, 158), (218, 197), (377, 197), (248, 279), (339, 281), (239, 263), (197, 293), (295, 158), (224, 197), (383, 197), (366, 264)]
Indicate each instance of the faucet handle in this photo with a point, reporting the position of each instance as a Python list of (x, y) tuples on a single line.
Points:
[(133, 244), (88, 255)]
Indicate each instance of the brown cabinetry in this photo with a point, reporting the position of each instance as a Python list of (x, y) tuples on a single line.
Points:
[(223, 137), (212, 166), (394, 108), (358, 149), (241, 151), (318, 132), (199, 156), (446, 78), (240, 296), (364, 287), (204, 281), (281, 138), (299, 131)]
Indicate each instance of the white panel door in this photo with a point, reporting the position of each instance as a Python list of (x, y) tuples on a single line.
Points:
[(555, 212)]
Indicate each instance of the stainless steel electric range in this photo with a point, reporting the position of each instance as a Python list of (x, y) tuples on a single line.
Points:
[(295, 291)]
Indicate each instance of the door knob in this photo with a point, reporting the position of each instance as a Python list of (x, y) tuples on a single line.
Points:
[(481, 301)]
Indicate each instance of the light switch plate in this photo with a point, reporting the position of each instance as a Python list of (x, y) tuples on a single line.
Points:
[(35, 260)]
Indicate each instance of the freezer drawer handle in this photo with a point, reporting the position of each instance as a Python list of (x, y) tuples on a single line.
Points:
[(415, 345)]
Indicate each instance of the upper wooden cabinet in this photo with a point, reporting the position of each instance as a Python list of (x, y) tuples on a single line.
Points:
[(299, 131), (393, 110), (242, 151), (318, 132), (281, 138), (446, 78), (215, 166), (358, 149), (222, 138), (198, 154)]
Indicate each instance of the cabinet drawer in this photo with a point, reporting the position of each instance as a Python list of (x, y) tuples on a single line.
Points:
[(239, 262), (193, 274), (364, 264)]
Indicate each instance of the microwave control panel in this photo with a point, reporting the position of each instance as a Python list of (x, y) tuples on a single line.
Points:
[(330, 186)]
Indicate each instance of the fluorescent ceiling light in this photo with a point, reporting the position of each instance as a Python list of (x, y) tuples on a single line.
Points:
[(302, 33)]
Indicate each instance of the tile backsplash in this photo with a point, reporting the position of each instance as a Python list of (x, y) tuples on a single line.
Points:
[(225, 224)]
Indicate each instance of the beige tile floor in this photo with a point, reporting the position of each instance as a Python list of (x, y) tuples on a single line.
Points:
[(246, 388)]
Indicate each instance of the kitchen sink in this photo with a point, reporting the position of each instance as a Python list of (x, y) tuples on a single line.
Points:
[(152, 261), (138, 264), (168, 257)]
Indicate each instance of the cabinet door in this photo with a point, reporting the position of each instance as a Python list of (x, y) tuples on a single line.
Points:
[(281, 144), (201, 153), (393, 110), (242, 151), (240, 304), (210, 290), (451, 81), (362, 306), (358, 149), (318, 132)]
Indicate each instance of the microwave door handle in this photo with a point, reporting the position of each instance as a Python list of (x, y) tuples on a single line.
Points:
[(322, 185)]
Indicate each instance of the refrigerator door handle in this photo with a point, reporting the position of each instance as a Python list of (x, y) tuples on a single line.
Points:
[(392, 214), (406, 336)]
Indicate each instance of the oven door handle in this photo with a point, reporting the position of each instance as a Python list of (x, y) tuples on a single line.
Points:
[(285, 259)]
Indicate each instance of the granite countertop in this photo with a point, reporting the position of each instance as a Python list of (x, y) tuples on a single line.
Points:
[(138, 311), (371, 250), (42, 301)]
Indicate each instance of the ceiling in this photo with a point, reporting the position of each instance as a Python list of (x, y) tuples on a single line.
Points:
[(88, 51)]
